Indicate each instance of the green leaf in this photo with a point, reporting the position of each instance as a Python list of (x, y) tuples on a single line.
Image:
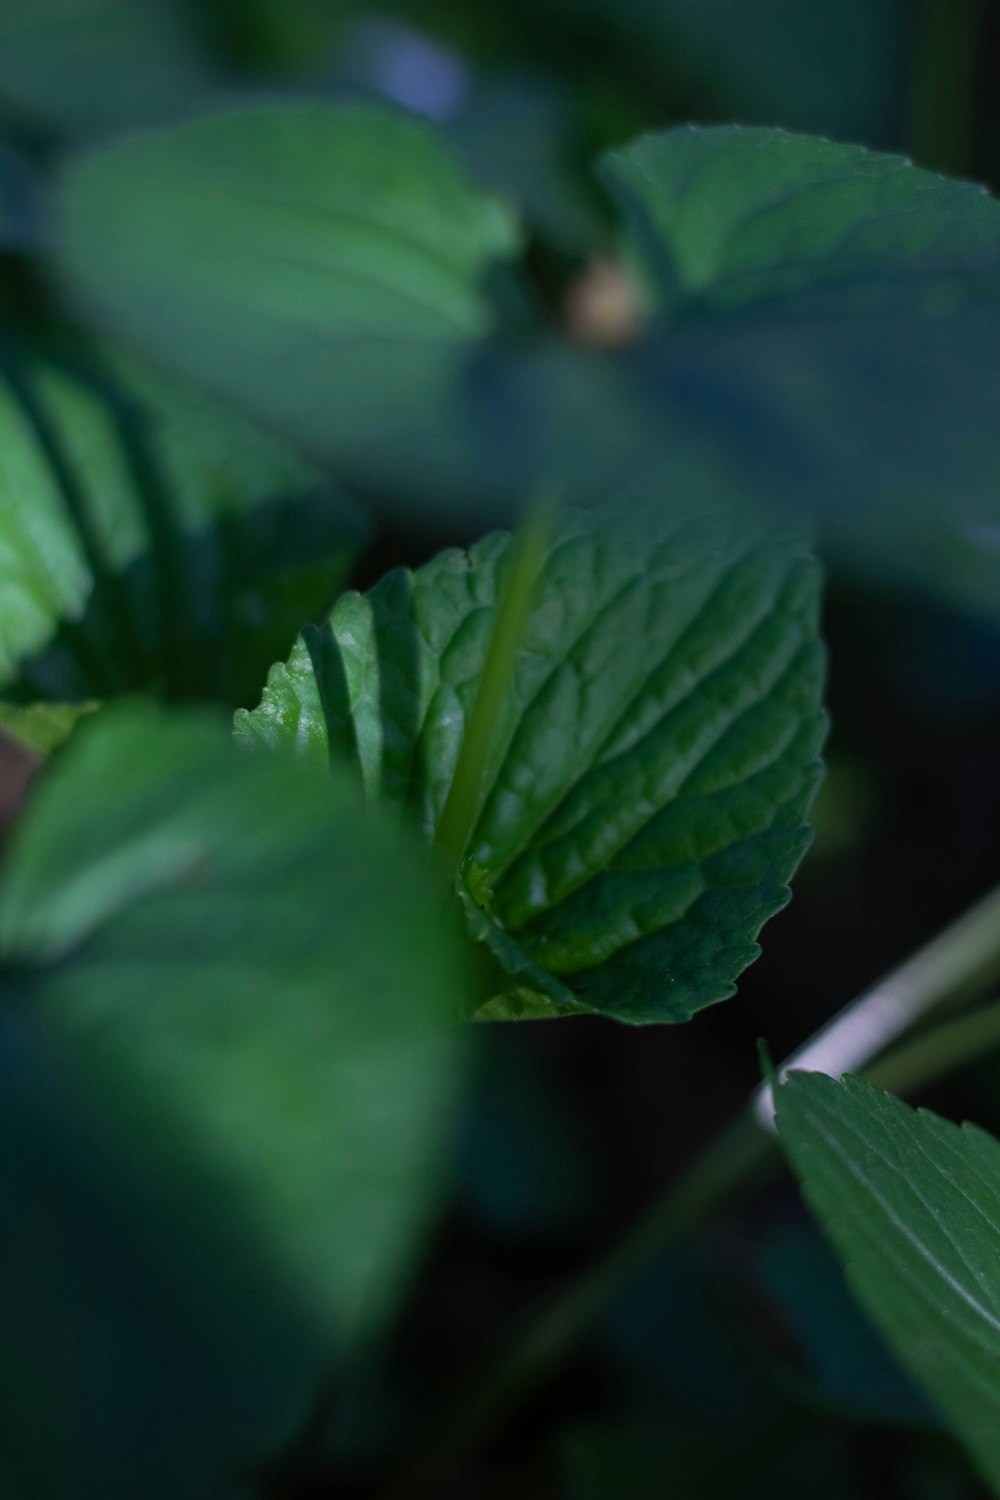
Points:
[(644, 796), (911, 1204), (828, 321), (320, 266), (42, 726), (730, 218), (151, 542), (227, 1066)]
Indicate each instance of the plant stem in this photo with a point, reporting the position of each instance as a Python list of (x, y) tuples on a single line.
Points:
[(961, 960), (525, 559)]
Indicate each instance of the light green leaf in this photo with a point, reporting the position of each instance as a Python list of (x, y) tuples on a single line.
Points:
[(227, 1066), (150, 542), (644, 799), (911, 1204), (323, 267)]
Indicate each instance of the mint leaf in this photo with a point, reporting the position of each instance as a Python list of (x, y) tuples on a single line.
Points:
[(151, 542), (644, 801), (323, 267), (809, 299), (911, 1204), (227, 1086), (730, 217)]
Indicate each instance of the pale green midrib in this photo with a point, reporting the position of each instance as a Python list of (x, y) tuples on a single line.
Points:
[(526, 560)]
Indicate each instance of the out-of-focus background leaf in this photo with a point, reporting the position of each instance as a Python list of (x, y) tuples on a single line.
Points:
[(150, 541)]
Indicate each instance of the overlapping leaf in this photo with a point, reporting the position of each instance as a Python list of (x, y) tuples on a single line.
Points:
[(911, 1204), (643, 808), (826, 335), (227, 1062)]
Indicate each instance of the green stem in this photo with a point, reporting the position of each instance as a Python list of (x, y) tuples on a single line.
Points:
[(527, 555), (958, 962), (961, 961)]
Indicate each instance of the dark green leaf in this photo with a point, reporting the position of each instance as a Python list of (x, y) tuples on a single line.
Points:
[(911, 1204), (226, 1067), (151, 542), (729, 218), (827, 336), (644, 801)]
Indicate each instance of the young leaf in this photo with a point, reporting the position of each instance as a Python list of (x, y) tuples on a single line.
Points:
[(320, 266), (150, 541), (227, 1080), (643, 803), (911, 1204)]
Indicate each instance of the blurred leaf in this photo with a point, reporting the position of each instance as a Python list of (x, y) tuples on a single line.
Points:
[(95, 67), (226, 1093), (911, 1204), (729, 218), (828, 330), (644, 800), (150, 541), (42, 726), (828, 343), (323, 267)]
